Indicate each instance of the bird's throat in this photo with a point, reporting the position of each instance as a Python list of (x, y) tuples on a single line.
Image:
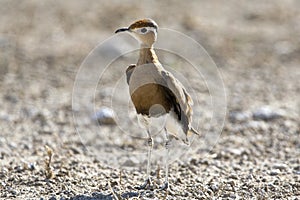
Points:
[(147, 55)]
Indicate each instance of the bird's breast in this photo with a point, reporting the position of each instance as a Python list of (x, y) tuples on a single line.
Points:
[(150, 99), (148, 92)]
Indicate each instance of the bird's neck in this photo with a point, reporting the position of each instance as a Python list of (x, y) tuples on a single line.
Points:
[(147, 55)]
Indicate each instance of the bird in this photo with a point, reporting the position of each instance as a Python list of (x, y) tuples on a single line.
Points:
[(155, 91)]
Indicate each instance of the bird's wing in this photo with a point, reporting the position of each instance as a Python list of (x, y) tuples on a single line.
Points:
[(129, 71), (183, 99)]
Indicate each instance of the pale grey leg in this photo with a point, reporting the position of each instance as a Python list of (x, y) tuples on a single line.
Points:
[(150, 147), (167, 146)]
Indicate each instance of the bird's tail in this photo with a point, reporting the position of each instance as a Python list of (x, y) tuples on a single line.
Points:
[(189, 133), (193, 131)]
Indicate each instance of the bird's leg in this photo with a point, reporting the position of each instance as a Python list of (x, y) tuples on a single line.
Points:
[(150, 147), (165, 186)]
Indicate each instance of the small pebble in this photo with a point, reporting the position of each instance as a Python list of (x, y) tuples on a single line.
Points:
[(233, 176), (238, 116), (105, 116), (129, 163), (297, 172), (236, 151), (266, 113), (232, 195), (214, 187), (128, 195), (274, 172), (280, 166)]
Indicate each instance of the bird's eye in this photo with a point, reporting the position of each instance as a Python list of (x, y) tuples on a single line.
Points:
[(143, 30)]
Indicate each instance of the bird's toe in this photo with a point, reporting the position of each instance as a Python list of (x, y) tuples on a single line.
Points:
[(165, 186), (146, 185)]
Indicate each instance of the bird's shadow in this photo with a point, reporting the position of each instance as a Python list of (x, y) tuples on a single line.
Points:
[(101, 196)]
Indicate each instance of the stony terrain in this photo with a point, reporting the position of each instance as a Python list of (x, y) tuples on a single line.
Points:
[(44, 153)]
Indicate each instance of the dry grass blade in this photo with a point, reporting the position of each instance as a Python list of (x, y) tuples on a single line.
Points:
[(48, 169)]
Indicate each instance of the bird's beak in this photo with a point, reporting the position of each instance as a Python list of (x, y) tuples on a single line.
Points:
[(122, 30)]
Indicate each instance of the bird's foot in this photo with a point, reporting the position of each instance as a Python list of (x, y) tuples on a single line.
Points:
[(165, 186), (146, 185)]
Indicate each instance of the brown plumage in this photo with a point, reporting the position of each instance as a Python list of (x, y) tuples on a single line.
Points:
[(151, 85), (143, 23), (154, 85)]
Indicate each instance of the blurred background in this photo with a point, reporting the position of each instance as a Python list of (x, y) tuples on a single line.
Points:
[(255, 44)]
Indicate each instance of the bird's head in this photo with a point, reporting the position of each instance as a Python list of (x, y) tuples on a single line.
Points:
[(144, 30)]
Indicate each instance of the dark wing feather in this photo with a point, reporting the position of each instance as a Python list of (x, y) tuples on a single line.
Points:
[(182, 99), (129, 71), (172, 98)]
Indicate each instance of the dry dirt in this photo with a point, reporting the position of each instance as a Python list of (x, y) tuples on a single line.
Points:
[(256, 46)]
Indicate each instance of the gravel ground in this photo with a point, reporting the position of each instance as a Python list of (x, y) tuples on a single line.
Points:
[(256, 46)]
